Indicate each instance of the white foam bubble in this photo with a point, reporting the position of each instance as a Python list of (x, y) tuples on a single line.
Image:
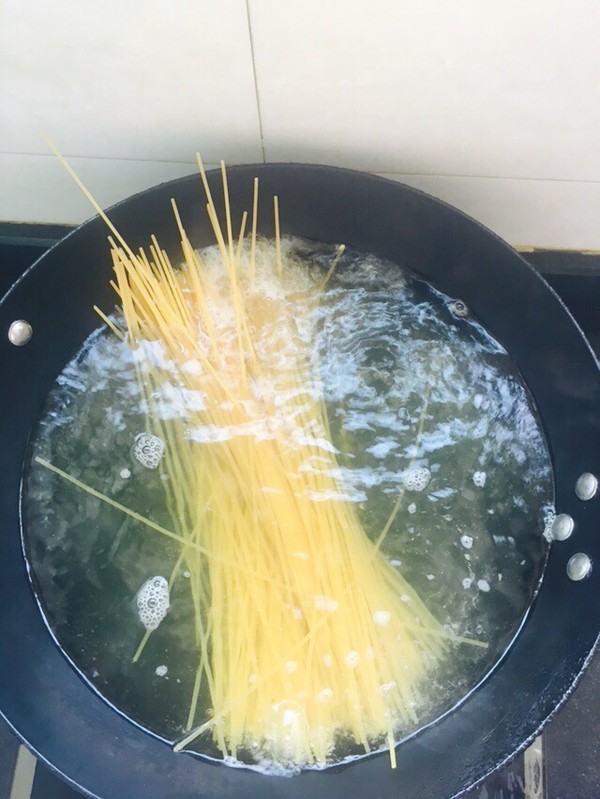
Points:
[(483, 585), (153, 602), (549, 517), (466, 541), (326, 695), (382, 617), (192, 367), (148, 450), (325, 603), (467, 582), (352, 659), (417, 478), (125, 474), (412, 508), (479, 479), (160, 671)]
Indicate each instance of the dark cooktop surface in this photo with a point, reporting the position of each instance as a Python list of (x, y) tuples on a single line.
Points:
[(565, 762)]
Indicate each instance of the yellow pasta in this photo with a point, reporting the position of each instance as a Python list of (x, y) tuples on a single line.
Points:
[(305, 634)]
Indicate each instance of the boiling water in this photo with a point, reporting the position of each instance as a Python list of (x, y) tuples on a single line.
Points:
[(428, 417)]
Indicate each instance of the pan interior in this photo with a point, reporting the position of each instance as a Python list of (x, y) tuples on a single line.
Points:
[(427, 415)]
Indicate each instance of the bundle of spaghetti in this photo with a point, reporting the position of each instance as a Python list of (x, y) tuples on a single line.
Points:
[(307, 637)]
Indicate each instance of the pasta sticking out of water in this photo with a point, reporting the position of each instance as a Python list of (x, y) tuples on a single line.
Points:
[(295, 650), (305, 633)]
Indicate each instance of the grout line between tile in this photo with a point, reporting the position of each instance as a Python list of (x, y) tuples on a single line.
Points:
[(108, 158), (383, 172), (260, 124), (481, 177)]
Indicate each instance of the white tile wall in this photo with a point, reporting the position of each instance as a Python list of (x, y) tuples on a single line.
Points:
[(548, 213), (37, 188), (445, 87), (492, 105), (135, 79)]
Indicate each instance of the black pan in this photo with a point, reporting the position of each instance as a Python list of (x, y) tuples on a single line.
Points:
[(69, 726)]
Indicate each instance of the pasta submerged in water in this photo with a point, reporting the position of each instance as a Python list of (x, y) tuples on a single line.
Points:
[(308, 641), (305, 631)]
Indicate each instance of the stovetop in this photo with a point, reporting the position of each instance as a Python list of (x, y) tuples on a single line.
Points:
[(564, 763)]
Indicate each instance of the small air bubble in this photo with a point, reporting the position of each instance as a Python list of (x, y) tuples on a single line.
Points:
[(382, 617), (352, 659), (326, 695), (325, 603), (479, 479), (466, 541), (412, 508), (291, 666), (160, 671), (483, 585), (417, 479), (125, 474), (148, 450), (153, 602)]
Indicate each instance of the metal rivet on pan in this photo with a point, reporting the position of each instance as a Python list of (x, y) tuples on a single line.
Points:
[(579, 566), (20, 332), (562, 527), (586, 486), (459, 308)]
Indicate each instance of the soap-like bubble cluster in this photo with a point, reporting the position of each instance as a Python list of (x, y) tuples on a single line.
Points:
[(479, 479), (148, 450), (153, 602), (417, 479)]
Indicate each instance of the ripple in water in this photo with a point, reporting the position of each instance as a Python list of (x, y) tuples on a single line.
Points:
[(430, 424)]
